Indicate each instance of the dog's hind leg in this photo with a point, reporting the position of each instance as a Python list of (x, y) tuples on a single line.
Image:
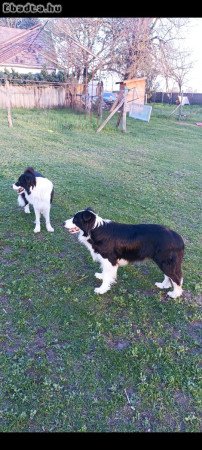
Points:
[(109, 274), (46, 214), (171, 266), (177, 291), (175, 274)]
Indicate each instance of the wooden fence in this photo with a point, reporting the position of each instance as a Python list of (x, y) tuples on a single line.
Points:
[(48, 95)]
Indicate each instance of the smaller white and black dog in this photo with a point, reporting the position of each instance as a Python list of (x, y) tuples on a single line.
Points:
[(115, 244), (33, 189)]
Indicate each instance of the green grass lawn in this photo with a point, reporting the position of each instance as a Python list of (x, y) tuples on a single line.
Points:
[(73, 361)]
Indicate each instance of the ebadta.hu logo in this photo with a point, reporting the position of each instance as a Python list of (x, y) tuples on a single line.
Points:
[(30, 8)]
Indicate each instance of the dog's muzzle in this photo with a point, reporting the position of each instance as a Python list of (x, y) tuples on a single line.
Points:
[(71, 227), (19, 189)]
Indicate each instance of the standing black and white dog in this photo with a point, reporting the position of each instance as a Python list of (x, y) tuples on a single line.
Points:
[(33, 189), (115, 244)]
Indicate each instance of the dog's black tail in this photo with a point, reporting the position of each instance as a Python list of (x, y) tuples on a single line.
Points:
[(52, 195)]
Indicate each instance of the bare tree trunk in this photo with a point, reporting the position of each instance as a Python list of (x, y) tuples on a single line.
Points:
[(180, 108), (100, 99)]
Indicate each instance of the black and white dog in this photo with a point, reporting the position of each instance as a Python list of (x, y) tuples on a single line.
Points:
[(115, 244), (33, 189)]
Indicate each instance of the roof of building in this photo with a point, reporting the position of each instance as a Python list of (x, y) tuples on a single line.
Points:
[(32, 48)]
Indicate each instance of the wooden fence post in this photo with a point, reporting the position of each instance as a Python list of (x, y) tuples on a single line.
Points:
[(121, 124), (110, 116), (9, 116)]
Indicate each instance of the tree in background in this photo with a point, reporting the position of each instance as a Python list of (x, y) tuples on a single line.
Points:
[(84, 45), (130, 47), (178, 67), (88, 48)]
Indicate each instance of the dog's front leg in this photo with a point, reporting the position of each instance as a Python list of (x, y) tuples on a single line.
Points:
[(109, 274), (37, 228), (99, 275), (26, 209)]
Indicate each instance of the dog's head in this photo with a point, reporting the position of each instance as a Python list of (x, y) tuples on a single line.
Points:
[(84, 220), (25, 182)]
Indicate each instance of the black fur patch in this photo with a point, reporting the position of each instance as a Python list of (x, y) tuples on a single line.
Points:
[(28, 179)]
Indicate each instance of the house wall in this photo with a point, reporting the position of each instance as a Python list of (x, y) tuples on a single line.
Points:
[(23, 70)]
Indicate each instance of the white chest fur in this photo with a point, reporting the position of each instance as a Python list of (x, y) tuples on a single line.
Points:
[(84, 240)]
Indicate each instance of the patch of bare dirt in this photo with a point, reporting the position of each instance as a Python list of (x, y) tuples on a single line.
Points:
[(189, 297), (182, 399), (62, 255), (186, 124), (10, 342), (195, 331), (7, 249), (117, 344), (5, 304), (7, 262), (147, 292), (37, 343)]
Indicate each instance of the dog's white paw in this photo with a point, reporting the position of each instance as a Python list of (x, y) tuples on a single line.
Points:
[(101, 290), (174, 294), (160, 285), (26, 210), (163, 285), (171, 294), (37, 230), (98, 275), (49, 228)]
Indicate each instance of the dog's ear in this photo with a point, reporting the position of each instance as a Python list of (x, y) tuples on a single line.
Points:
[(90, 209), (87, 215), (30, 179), (33, 182), (29, 170)]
